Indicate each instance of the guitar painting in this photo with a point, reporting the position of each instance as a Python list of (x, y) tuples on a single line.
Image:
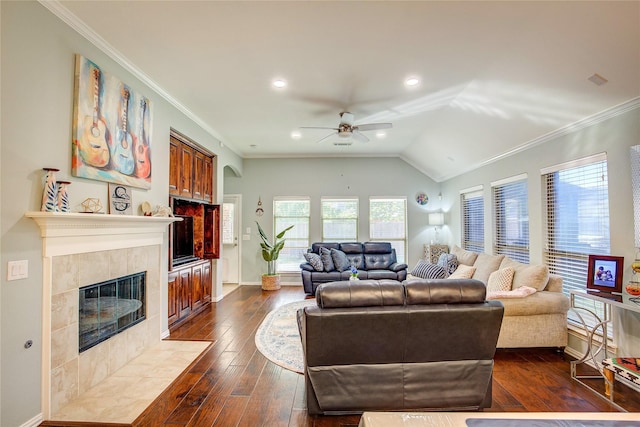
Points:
[(141, 146), (112, 125), (122, 152), (94, 143)]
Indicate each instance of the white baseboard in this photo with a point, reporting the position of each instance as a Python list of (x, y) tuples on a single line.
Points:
[(33, 422), (165, 334)]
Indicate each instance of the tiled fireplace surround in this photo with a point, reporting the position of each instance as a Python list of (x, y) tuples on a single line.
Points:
[(80, 250)]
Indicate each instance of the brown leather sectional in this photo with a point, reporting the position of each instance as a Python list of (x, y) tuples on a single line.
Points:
[(381, 345)]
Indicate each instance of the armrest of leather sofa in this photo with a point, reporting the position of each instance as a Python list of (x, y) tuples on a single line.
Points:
[(398, 267), (306, 266)]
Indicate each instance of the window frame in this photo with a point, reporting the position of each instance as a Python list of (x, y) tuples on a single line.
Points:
[(356, 219)]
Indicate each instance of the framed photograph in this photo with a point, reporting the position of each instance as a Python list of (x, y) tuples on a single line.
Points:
[(605, 273), (111, 128), (120, 202)]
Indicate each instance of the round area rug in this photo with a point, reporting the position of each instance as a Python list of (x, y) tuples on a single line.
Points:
[(278, 339)]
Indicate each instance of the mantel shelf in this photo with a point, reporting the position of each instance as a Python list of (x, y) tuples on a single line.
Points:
[(57, 224)]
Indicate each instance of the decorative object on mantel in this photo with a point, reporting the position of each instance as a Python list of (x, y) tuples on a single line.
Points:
[(120, 200), (50, 192), (145, 207), (422, 198), (111, 128), (91, 205), (63, 196), (163, 211), (259, 210)]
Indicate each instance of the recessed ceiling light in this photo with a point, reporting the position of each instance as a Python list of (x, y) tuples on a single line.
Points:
[(296, 134), (412, 81), (279, 83), (381, 134)]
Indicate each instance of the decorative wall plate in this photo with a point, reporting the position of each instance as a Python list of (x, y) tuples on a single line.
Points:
[(422, 198)]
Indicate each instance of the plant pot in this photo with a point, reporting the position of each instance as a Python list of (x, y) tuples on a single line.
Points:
[(270, 282)]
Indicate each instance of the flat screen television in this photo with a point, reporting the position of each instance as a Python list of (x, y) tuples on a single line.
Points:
[(183, 250)]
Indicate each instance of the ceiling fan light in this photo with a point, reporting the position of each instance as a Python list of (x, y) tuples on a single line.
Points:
[(344, 134), (279, 83), (296, 134), (381, 134)]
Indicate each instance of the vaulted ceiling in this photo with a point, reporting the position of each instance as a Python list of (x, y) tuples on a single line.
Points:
[(493, 77)]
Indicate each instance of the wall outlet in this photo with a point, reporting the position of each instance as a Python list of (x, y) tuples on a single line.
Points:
[(17, 270)]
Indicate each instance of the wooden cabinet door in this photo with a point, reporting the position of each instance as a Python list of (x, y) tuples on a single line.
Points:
[(212, 231), (207, 284), (186, 172), (196, 287), (184, 292), (207, 184), (174, 166), (197, 184), (173, 298)]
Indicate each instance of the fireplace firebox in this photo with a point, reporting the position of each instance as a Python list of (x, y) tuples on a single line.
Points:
[(108, 308)]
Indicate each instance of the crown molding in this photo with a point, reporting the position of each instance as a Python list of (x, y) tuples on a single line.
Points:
[(55, 7)]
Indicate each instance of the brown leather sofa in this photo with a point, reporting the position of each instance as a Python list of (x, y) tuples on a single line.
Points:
[(387, 346)]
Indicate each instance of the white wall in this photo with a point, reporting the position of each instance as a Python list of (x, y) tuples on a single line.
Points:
[(37, 95), (340, 176), (615, 137)]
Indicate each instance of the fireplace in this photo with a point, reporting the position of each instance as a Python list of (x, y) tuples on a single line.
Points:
[(110, 307)]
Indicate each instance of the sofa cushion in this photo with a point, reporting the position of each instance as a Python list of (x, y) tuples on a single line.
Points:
[(464, 257), (533, 275), (500, 280), (315, 247), (521, 292), (351, 247), (424, 291), (426, 270), (360, 293), (462, 272), (486, 264), (378, 261), (327, 260), (315, 261), (377, 247), (340, 260), (539, 303), (449, 262)]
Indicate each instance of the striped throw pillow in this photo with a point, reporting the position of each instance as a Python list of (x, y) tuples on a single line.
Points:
[(426, 270)]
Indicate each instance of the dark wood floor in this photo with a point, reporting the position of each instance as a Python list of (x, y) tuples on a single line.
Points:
[(232, 384)]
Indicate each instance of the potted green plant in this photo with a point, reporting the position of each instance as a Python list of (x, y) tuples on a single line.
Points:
[(270, 252)]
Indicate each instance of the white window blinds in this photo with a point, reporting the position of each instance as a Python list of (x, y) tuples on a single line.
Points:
[(339, 219), (472, 211), (388, 222), (511, 215), (296, 212), (577, 220)]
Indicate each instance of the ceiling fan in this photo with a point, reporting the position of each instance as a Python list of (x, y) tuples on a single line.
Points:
[(346, 128)]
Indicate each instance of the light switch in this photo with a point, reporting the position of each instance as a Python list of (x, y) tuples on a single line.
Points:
[(248, 230), (17, 269)]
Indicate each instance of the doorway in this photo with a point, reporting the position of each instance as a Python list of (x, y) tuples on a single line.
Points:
[(231, 208)]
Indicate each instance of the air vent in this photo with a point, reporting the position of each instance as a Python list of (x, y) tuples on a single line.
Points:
[(597, 79), (342, 144)]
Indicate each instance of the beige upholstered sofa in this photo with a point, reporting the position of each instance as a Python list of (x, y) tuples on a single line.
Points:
[(537, 320)]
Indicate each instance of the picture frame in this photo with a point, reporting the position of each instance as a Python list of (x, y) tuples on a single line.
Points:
[(120, 201), (605, 274), (112, 123)]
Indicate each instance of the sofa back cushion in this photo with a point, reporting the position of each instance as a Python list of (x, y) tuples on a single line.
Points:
[(434, 291), (360, 293), (377, 247), (532, 275), (315, 247), (464, 257), (486, 264)]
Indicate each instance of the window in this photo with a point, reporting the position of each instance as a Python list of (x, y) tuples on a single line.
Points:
[(339, 219), (577, 220), (228, 214), (472, 202), (511, 215), (292, 211), (388, 222)]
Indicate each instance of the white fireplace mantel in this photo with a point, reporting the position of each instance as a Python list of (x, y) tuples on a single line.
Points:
[(71, 233)]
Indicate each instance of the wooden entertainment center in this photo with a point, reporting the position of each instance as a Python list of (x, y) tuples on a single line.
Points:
[(191, 195)]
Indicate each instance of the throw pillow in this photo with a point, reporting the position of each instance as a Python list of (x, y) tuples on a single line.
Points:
[(464, 257), (315, 261), (521, 292), (449, 262), (426, 270), (340, 260), (463, 272), (327, 261), (486, 264), (500, 280), (533, 275)]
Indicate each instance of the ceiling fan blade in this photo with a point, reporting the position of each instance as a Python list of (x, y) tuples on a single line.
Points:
[(317, 127), (346, 118), (327, 137), (359, 136), (373, 126)]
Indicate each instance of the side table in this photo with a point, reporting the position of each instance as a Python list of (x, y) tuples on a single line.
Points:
[(433, 251)]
